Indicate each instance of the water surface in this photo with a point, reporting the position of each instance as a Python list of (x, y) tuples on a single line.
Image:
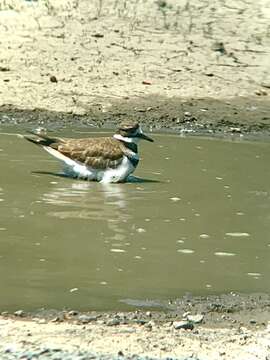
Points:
[(201, 225)]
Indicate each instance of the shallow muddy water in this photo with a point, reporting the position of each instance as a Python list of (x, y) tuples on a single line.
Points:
[(199, 222)]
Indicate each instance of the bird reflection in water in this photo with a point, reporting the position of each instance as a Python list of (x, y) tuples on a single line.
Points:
[(104, 204)]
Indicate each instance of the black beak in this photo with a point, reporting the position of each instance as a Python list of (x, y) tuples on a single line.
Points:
[(145, 137)]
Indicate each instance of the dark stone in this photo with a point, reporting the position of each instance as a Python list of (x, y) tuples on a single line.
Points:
[(53, 79)]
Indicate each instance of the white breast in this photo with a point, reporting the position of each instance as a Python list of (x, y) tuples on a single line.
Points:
[(120, 173)]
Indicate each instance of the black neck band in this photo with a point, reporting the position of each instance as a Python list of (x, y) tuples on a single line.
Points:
[(131, 146)]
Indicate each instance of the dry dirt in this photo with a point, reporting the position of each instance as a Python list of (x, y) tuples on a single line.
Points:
[(154, 340), (230, 327), (177, 64)]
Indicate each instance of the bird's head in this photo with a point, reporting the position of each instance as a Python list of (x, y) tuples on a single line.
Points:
[(130, 131)]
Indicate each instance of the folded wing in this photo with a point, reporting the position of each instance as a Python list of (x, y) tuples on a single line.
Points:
[(98, 153)]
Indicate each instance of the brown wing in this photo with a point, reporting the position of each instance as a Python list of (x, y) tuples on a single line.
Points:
[(99, 153)]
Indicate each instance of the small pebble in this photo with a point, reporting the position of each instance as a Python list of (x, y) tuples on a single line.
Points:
[(57, 319), (53, 79), (149, 325), (19, 313), (185, 315), (73, 313), (196, 319), (113, 322), (85, 319), (186, 325)]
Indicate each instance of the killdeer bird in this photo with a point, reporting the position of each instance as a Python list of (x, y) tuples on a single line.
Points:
[(104, 159)]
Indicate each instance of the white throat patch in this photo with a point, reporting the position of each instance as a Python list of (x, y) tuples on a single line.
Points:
[(125, 139)]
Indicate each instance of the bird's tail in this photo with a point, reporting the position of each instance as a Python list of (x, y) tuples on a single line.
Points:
[(41, 139)]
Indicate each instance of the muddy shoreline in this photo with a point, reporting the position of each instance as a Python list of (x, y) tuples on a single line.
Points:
[(241, 116), (188, 67), (219, 311)]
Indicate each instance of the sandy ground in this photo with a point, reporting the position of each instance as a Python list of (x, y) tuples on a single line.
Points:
[(233, 326), (157, 60), (154, 340)]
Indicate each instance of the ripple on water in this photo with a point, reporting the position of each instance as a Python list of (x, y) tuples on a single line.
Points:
[(140, 230), (73, 290), (255, 275), (186, 251), (223, 253), (175, 199), (204, 236), (237, 234), (118, 250), (138, 220)]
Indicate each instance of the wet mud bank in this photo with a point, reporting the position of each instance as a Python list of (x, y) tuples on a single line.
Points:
[(215, 311), (247, 116)]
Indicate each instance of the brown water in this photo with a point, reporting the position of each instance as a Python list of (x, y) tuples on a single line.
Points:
[(202, 226)]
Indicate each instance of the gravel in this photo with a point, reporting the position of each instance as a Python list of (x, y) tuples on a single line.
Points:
[(11, 353)]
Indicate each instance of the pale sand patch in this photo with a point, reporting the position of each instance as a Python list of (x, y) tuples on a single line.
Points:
[(162, 341), (68, 55)]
